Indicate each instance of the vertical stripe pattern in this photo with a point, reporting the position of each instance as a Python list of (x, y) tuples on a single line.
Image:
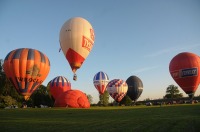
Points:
[(100, 81), (26, 69), (59, 85)]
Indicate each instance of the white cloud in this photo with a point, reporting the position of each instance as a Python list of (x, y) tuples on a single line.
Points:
[(172, 49), (144, 69)]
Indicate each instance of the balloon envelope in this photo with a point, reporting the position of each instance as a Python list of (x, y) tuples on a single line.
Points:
[(73, 99), (184, 69), (59, 85), (117, 89), (100, 81), (76, 41), (135, 87), (26, 69)]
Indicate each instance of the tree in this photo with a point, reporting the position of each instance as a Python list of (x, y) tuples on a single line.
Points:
[(2, 78), (126, 101), (172, 91), (90, 99), (7, 101), (104, 99), (8, 93), (41, 97)]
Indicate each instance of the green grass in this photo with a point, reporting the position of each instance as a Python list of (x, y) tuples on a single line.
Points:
[(176, 118)]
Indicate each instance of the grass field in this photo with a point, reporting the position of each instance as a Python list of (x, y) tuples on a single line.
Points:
[(176, 118)]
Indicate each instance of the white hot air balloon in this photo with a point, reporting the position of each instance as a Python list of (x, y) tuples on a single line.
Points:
[(76, 41)]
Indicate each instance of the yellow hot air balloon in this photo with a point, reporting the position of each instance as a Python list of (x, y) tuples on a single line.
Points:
[(76, 41), (26, 69)]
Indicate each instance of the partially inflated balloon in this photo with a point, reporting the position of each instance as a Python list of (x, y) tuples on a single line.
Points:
[(59, 85), (73, 99), (100, 81), (117, 89), (26, 69), (76, 41), (135, 87), (184, 69)]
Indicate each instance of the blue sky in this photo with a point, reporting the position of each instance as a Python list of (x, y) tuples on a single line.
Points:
[(133, 37)]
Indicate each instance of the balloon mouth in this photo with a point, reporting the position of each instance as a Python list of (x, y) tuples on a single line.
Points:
[(75, 66), (101, 93), (26, 97), (190, 94)]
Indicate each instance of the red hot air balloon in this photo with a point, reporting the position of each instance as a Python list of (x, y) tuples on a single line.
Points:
[(73, 99), (184, 69), (117, 89), (59, 85), (76, 41), (26, 69)]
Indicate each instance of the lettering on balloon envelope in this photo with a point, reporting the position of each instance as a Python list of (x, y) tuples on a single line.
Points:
[(182, 73), (87, 43), (21, 79), (189, 72)]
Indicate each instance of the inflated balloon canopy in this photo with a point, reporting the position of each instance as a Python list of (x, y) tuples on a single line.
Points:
[(184, 69), (26, 69), (72, 99), (76, 41)]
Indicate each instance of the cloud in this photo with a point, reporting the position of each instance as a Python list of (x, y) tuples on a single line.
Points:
[(144, 69), (168, 50)]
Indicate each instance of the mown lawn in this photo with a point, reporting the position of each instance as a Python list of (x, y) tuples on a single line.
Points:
[(176, 118)]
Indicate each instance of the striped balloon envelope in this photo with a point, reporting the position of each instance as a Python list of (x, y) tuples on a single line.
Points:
[(117, 89), (76, 41), (59, 85), (100, 81), (26, 69)]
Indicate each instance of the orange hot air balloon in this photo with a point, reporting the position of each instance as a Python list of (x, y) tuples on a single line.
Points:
[(26, 69), (184, 69), (59, 85), (73, 99), (76, 41)]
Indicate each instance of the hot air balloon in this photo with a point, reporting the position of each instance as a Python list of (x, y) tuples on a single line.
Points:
[(100, 81), (76, 41), (117, 89), (26, 69), (184, 69), (73, 99), (135, 87), (59, 85)]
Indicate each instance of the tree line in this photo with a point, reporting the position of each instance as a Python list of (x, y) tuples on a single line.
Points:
[(9, 96)]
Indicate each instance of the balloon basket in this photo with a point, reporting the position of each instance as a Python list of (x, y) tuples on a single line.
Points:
[(75, 77)]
